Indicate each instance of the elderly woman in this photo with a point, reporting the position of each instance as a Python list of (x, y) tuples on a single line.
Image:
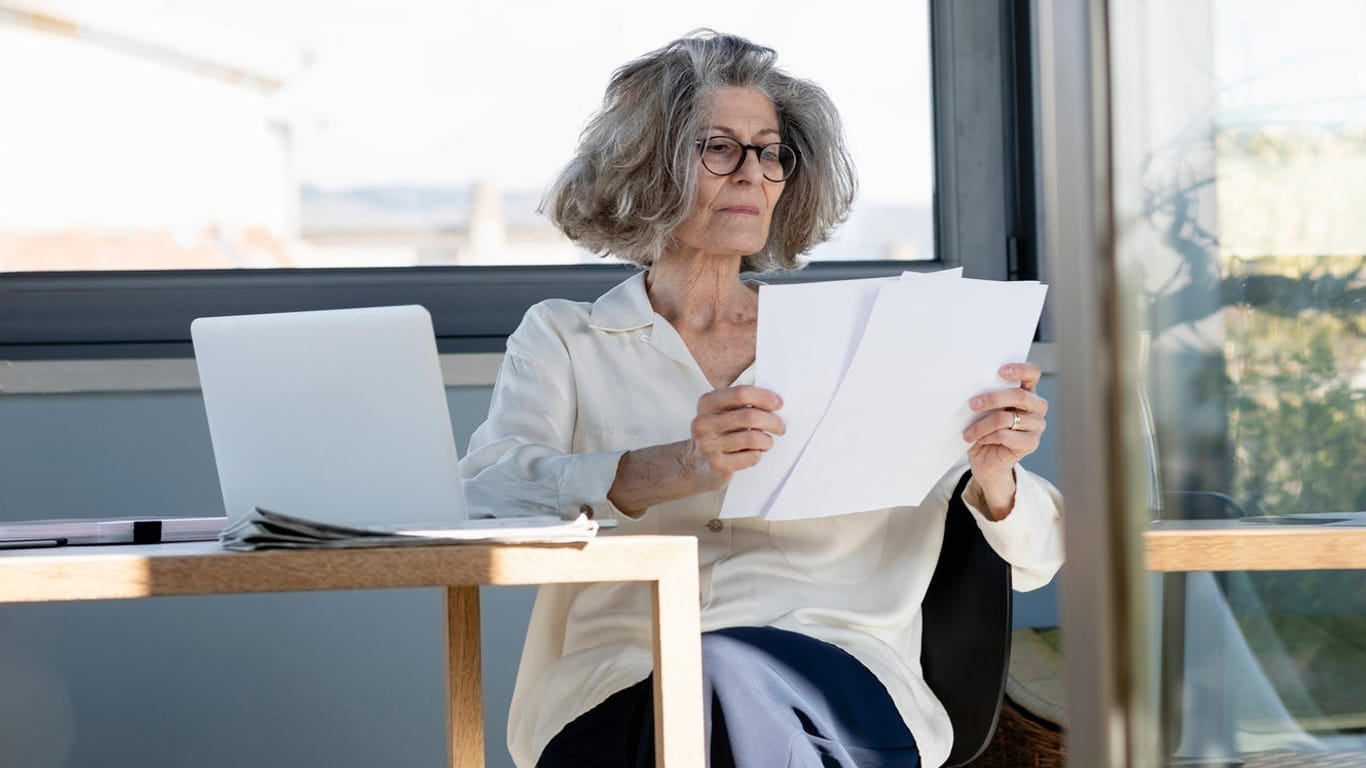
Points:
[(707, 161)]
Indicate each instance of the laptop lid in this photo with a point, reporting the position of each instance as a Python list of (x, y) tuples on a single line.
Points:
[(338, 416)]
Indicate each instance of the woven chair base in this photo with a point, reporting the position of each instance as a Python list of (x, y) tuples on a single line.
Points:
[(1022, 741)]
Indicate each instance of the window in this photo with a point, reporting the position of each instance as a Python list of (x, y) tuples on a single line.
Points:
[(215, 157), (386, 134)]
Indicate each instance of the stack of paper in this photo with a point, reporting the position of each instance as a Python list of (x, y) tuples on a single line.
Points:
[(875, 377), (263, 529)]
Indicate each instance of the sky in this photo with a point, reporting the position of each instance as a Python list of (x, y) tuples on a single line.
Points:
[(1290, 62)]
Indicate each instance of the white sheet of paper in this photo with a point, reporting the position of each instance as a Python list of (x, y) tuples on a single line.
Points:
[(807, 335), (895, 424)]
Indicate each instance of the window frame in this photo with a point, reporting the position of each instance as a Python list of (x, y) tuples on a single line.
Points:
[(982, 104)]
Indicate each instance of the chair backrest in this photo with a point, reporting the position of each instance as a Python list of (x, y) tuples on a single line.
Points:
[(965, 650), (1200, 505)]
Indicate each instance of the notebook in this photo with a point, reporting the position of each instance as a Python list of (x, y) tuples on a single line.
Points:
[(337, 416)]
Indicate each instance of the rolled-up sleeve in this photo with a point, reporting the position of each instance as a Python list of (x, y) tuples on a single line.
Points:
[(519, 461), (1030, 537)]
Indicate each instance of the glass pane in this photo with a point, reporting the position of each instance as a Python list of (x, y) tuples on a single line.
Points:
[(307, 133), (1240, 180)]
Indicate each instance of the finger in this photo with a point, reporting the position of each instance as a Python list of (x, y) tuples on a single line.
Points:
[(1020, 443), (729, 463), (1004, 420), (1014, 397), (723, 453), (743, 396), (737, 420), (1028, 374), (749, 440)]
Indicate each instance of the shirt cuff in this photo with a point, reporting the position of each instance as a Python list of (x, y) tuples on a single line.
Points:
[(1032, 504), (583, 491)]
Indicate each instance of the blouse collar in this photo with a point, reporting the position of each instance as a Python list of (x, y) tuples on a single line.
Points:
[(624, 308)]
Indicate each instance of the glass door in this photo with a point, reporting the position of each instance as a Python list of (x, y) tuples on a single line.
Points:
[(1207, 207)]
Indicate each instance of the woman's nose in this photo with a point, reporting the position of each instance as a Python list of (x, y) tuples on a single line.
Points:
[(750, 169)]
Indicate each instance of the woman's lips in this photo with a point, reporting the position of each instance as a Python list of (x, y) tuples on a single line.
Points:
[(750, 210)]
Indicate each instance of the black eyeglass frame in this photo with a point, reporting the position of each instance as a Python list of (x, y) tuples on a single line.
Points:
[(744, 155)]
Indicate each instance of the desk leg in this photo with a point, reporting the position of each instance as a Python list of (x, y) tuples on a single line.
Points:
[(465, 707), (678, 668)]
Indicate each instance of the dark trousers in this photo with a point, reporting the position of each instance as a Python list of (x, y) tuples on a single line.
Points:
[(773, 699)]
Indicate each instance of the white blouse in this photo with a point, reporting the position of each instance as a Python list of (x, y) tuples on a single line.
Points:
[(581, 384)]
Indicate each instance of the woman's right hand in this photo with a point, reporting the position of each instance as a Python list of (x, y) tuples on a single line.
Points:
[(732, 430)]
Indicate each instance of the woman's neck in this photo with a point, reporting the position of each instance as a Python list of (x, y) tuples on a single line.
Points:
[(699, 293)]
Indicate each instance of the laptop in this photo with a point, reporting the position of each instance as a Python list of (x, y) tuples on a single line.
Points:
[(338, 416)]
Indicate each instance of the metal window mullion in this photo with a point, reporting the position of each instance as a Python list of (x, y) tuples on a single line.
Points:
[(971, 51)]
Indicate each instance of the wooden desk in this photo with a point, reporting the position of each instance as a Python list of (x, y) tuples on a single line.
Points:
[(669, 563), (1230, 545)]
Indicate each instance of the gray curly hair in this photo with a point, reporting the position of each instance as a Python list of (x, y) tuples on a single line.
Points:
[(633, 178)]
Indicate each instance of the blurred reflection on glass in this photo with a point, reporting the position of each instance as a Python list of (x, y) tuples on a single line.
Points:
[(1240, 185)]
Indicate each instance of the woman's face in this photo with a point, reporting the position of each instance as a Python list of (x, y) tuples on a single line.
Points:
[(731, 214)]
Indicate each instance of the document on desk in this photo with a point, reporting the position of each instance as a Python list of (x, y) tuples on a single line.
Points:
[(264, 529), (875, 376)]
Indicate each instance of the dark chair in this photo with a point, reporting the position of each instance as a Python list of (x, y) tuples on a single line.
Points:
[(1200, 505), (965, 651)]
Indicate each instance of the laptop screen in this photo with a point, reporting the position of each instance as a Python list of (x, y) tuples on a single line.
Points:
[(338, 416)]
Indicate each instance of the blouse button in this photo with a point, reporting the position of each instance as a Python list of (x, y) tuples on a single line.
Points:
[(715, 526), (586, 509), (645, 337)]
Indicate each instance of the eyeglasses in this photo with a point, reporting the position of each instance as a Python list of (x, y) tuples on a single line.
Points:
[(723, 156)]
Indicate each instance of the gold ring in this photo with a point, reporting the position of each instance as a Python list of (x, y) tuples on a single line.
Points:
[(1015, 421)]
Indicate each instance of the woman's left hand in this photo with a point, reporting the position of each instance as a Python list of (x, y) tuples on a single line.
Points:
[(1009, 429)]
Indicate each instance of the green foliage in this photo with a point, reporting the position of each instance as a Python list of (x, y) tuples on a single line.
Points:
[(1297, 397)]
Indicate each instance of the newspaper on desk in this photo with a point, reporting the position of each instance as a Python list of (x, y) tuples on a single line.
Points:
[(264, 529)]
